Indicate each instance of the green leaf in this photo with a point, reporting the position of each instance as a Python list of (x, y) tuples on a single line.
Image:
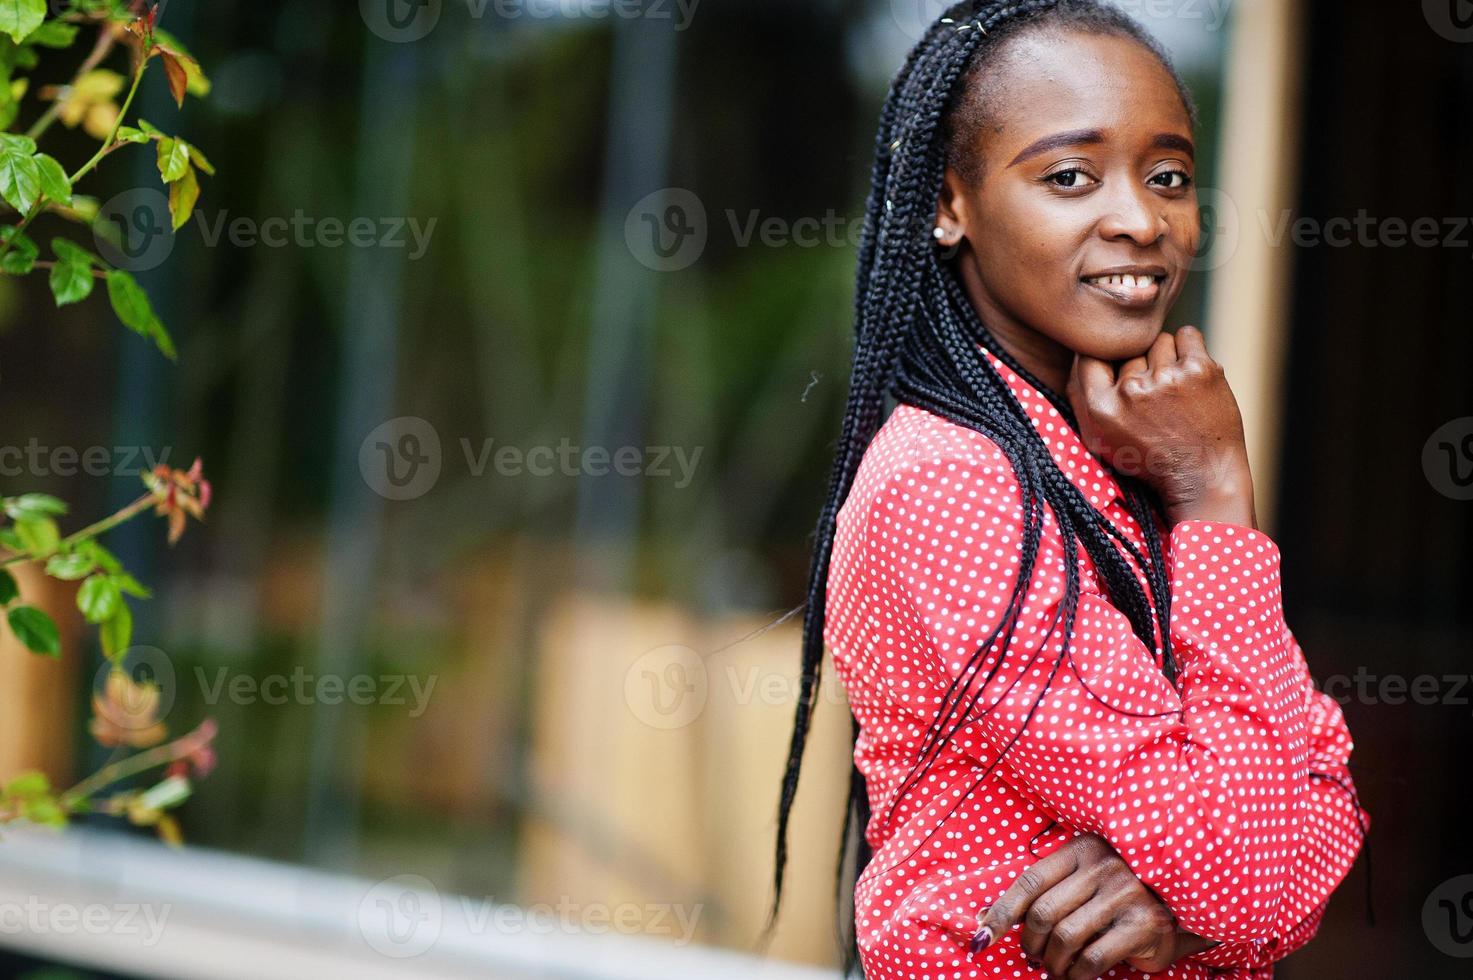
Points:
[(71, 282), (38, 535), (117, 633), (34, 505), (20, 17), (173, 157), (35, 629), (27, 785), (45, 812), (131, 585), (84, 209), (9, 102), (22, 255), (149, 128), (20, 177), (198, 159), (127, 134), (54, 34), (131, 305), (106, 559), (54, 182), (69, 251), (69, 568), (99, 598), (9, 590), (15, 143), (10, 539), (183, 194)]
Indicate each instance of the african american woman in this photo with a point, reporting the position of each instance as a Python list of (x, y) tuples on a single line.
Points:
[(1086, 742)]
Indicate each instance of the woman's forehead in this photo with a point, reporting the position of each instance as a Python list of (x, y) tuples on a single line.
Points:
[(1050, 81)]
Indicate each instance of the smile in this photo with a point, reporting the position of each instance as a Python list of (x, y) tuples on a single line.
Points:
[(1128, 290)]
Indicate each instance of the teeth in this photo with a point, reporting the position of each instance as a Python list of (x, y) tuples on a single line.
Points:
[(1129, 282)]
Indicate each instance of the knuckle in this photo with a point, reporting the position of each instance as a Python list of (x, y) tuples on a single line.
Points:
[(1041, 916), (1135, 386), (1089, 965), (1193, 366), (1030, 881)]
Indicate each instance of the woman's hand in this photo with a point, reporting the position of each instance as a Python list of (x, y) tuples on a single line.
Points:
[(1170, 419), (1084, 911)]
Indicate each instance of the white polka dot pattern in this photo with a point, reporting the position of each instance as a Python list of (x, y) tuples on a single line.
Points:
[(1230, 798)]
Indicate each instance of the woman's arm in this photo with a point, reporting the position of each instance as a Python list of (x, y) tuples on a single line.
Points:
[(1203, 793)]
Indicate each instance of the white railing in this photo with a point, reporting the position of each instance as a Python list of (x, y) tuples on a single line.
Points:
[(133, 906)]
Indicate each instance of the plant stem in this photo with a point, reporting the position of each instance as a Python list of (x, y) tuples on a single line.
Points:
[(91, 530), (105, 40), (86, 168), (117, 123), (48, 264), (142, 762)]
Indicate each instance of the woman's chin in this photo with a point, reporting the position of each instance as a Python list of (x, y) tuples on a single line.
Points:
[(1126, 341)]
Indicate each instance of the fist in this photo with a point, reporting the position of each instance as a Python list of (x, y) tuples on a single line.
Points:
[(1169, 419)]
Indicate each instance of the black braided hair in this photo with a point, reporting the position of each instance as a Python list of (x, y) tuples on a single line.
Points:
[(916, 337)]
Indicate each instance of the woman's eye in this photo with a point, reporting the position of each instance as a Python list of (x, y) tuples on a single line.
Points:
[(1175, 179), (1067, 178)]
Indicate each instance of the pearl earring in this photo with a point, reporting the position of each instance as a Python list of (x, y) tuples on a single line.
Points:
[(940, 233)]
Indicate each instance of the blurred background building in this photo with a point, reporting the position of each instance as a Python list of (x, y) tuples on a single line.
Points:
[(468, 657)]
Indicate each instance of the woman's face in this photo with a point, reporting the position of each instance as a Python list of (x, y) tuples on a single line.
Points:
[(1087, 170)]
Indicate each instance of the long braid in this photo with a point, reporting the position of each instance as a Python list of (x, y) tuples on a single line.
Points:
[(915, 337)]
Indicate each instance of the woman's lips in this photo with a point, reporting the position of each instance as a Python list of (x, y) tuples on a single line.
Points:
[(1130, 291)]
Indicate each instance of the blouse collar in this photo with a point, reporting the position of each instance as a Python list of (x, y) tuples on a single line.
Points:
[(1081, 466)]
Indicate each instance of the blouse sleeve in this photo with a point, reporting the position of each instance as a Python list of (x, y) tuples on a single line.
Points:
[(1334, 829), (1204, 790)]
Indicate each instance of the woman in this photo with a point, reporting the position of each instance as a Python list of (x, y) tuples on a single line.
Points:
[(1068, 763)]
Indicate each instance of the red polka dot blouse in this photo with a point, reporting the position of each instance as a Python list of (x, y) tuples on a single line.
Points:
[(1229, 796)]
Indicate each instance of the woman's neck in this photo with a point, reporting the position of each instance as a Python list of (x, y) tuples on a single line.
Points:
[(1046, 359)]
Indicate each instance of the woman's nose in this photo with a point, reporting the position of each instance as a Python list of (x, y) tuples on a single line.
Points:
[(1133, 214)]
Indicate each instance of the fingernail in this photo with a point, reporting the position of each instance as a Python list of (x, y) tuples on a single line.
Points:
[(982, 939)]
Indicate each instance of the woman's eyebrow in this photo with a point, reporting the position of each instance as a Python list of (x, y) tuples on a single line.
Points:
[(1086, 137)]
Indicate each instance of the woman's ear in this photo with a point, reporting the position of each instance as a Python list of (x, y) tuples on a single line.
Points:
[(951, 210)]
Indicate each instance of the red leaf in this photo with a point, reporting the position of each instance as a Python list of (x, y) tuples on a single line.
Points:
[(178, 78)]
